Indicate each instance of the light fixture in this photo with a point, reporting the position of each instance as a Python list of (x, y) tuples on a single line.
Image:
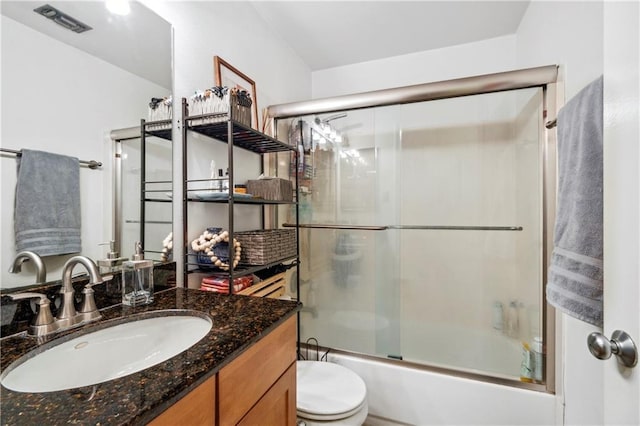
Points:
[(118, 7)]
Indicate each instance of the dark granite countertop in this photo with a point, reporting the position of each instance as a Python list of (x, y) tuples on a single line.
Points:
[(238, 323)]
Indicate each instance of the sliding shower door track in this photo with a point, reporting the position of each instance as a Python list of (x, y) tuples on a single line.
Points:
[(514, 382)]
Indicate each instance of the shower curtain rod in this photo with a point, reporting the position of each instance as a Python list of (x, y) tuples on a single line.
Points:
[(385, 227), (487, 83), (92, 164)]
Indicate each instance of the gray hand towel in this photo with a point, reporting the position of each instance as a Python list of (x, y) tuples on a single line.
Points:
[(47, 209), (575, 274)]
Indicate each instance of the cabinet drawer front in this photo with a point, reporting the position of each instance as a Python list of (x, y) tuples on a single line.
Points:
[(195, 409), (243, 382), (278, 406)]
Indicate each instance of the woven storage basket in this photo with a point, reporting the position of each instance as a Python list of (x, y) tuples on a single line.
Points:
[(266, 246), (275, 189), (240, 109)]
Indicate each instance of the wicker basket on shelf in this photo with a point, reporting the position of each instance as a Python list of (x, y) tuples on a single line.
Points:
[(266, 246), (240, 108), (275, 189), (220, 107)]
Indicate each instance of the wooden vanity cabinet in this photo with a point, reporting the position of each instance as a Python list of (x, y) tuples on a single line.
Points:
[(258, 388), (277, 407), (195, 409), (258, 384)]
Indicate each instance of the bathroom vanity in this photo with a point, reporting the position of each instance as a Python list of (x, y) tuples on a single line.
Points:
[(241, 372), (256, 388)]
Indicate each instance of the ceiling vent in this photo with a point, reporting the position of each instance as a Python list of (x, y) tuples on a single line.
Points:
[(62, 19)]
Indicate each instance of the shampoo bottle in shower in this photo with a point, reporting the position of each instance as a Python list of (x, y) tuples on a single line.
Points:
[(137, 279), (526, 373), (537, 360)]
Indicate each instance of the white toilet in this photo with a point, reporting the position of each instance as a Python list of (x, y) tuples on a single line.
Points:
[(330, 394)]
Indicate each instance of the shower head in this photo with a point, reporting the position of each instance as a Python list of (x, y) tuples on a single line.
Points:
[(330, 118)]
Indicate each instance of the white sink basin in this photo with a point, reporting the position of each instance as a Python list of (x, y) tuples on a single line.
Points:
[(107, 354)]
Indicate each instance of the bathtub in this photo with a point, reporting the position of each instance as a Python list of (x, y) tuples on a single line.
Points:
[(400, 395)]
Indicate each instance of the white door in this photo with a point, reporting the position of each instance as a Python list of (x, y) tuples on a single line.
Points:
[(621, 203)]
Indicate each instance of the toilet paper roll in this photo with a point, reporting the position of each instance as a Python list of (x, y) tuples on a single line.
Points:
[(290, 278)]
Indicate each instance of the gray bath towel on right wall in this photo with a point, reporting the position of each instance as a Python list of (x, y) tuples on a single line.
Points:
[(575, 274)]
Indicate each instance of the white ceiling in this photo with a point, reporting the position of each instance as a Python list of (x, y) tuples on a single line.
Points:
[(111, 37), (324, 34), (328, 34)]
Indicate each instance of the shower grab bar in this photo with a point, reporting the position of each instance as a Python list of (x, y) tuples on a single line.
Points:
[(385, 227), (92, 164)]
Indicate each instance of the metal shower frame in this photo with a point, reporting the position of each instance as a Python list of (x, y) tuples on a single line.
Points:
[(545, 77)]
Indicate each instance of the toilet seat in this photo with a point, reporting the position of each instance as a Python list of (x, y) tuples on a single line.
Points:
[(327, 391)]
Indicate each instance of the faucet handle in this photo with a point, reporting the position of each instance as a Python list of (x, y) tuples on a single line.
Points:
[(88, 309), (43, 322)]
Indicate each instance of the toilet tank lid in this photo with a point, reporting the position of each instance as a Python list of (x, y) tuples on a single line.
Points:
[(325, 388)]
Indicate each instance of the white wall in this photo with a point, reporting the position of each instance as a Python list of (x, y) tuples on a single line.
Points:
[(569, 34), (482, 57), (231, 30), (59, 99), (235, 32)]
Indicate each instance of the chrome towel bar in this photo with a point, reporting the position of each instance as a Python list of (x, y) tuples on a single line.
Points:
[(92, 164)]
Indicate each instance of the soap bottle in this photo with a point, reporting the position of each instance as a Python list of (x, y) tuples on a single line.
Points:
[(113, 262), (220, 182), (526, 373), (137, 279), (225, 182), (537, 363)]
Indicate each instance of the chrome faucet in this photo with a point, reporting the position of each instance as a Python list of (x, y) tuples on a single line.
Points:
[(67, 314), (23, 256)]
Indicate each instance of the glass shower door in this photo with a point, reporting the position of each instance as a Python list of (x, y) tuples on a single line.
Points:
[(471, 239), (349, 263), (421, 231)]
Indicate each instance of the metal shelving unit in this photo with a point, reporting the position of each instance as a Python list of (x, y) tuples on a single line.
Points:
[(161, 129), (224, 129)]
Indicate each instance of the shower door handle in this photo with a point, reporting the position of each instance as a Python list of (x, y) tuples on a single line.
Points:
[(621, 345)]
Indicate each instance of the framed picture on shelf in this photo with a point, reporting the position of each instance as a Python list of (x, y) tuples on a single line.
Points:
[(228, 75)]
